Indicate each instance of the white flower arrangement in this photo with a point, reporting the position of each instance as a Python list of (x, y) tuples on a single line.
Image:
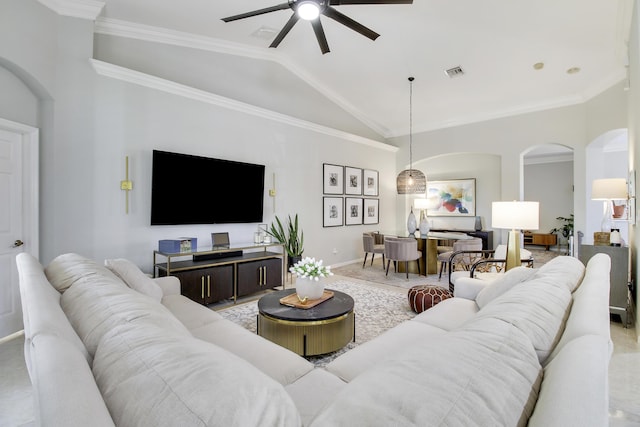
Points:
[(311, 269)]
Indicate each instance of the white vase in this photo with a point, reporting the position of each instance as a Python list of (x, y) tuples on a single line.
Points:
[(424, 224), (411, 223), (309, 288)]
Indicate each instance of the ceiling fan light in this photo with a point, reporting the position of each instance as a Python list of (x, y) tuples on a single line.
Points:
[(308, 10)]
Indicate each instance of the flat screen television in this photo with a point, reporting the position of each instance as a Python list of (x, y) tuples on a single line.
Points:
[(187, 189)]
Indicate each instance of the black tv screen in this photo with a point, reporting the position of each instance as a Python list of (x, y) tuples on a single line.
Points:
[(188, 189)]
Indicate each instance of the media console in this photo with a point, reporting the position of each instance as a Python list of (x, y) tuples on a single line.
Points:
[(208, 275)]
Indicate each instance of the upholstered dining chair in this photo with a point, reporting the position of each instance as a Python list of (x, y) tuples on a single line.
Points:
[(465, 259), (401, 249), (370, 247)]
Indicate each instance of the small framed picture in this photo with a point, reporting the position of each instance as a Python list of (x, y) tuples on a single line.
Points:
[(333, 179), (353, 180), (370, 182), (332, 213), (370, 211), (353, 210)]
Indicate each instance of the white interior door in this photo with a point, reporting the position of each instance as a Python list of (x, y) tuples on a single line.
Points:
[(18, 215)]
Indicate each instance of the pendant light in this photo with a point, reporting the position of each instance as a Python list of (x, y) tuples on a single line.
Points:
[(411, 181)]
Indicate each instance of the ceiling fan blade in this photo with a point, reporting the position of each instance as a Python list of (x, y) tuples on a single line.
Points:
[(322, 40), (345, 20), (257, 12), (285, 30), (345, 2)]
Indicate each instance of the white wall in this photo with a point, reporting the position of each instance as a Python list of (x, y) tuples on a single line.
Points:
[(89, 123), (551, 184)]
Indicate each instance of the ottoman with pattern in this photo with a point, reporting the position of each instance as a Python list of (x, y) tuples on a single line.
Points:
[(423, 297)]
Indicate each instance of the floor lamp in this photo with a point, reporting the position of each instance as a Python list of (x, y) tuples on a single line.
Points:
[(514, 216), (608, 189)]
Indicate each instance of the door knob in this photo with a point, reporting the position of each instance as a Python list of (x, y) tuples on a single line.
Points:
[(18, 243)]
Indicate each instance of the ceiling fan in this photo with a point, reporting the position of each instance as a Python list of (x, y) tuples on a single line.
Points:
[(310, 10)]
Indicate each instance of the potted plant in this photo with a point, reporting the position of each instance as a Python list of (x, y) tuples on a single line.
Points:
[(566, 229), (308, 273), (291, 235)]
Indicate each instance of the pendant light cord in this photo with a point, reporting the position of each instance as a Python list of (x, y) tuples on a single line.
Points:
[(411, 126)]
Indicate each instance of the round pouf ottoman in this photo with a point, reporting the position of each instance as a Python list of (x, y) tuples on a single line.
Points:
[(423, 297)]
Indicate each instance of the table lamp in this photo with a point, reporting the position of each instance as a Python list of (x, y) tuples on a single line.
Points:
[(514, 216), (608, 189)]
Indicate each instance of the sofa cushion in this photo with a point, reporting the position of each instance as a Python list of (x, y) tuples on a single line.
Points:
[(94, 305), (65, 269), (577, 374), (150, 377), (383, 348), (537, 307), (42, 313), (65, 391), (589, 312), (191, 314), (503, 283), (313, 391), (449, 314), (563, 270), (134, 277), (485, 374)]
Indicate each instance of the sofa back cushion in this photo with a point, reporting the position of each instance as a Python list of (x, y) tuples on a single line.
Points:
[(96, 303), (483, 374), (537, 307), (502, 284), (563, 270), (150, 377), (41, 309), (130, 274), (65, 269)]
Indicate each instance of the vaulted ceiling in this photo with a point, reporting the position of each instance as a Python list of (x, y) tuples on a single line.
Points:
[(516, 56)]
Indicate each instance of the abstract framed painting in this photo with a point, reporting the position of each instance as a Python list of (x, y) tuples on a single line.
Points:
[(333, 179), (332, 213), (352, 180), (455, 197), (370, 211), (353, 210), (370, 182)]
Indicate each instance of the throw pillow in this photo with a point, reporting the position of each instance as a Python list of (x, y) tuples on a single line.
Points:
[(134, 277), (502, 284)]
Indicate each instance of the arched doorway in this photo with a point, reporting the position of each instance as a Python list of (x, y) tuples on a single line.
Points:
[(547, 177)]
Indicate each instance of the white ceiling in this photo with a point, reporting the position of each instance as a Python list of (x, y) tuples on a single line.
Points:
[(496, 42)]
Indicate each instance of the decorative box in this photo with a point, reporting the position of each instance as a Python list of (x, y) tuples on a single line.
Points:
[(181, 244)]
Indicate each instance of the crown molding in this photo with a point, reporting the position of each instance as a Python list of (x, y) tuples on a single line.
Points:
[(120, 28), (85, 9), (135, 77)]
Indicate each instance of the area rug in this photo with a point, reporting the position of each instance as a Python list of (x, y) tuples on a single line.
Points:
[(377, 309)]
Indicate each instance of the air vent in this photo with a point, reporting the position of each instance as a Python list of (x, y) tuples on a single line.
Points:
[(265, 33), (454, 72)]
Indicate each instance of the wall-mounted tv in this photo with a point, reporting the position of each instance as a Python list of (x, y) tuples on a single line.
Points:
[(187, 189)]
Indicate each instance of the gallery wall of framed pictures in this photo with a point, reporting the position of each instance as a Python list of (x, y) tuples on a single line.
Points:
[(350, 196)]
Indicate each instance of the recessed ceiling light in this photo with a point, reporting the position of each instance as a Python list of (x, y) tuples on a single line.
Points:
[(573, 70), (538, 66)]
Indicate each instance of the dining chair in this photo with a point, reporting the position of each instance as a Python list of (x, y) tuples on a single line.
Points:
[(464, 260), (370, 247), (401, 249)]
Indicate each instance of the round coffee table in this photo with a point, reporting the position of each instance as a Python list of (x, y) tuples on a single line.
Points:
[(325, 328)]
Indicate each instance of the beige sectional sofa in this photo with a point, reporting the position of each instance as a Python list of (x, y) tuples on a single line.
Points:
[(106, 345)]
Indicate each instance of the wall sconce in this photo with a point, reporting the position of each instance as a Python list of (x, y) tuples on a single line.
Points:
[(516, 216), (126, 185)]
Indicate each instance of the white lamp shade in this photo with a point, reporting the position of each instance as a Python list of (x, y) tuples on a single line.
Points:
[(308, 10), (515, 215), (609, 189)]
